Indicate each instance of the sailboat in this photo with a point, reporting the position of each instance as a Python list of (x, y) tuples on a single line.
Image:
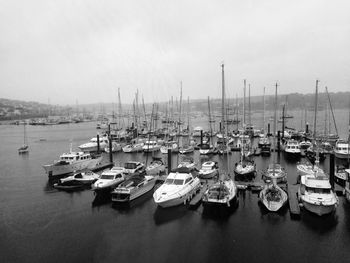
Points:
[(24, 148), (315, 191), (272, 196), (245, 168), (187, 148), (207, 147), (223, 192)]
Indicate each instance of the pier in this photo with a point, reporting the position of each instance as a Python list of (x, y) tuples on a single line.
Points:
[(197, 199), (294, 207)]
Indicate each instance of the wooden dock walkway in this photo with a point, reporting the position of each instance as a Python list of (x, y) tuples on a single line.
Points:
[(294, 207), (197, 199)]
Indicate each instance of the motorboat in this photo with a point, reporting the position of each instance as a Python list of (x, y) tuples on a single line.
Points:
[(72, 161), (178, 188), (150, 146), (273, 197), (209, 170), (264, 141), (342, 149), (156, 167), (87, 177), (307, 168), (220, 193), (245, 169), (109, 179), (134, 167), (340, 175), (169, 145), (69, 185), (275, 172), (186, 149), (316, 194), (347, 185), (134, 147), (92, 146), (116, 147), (187, 162), (206, 148), (305, 144), (292, 149), (132, 188), (197, 131)]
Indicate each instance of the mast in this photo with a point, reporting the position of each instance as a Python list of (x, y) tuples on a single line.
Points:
[(244, 104), (249, 118), (264, 111), (210, 121), (223, 101), (274, 135), (330, 105), (315, 119), (144, 112)]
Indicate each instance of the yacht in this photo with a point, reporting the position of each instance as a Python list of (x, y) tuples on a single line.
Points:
[(87, 177), (273, 197), (132, 188), (342, 149), (347, 185), (209, 170), (172, 145), (109, 179), (93, 144), (178, 187), (186, 149), (187, 162), (116, 147), (220, 193), (316, 194), (150, 146), (245, 170), (292, 149), (133, 167), (197, 131), (275, 172), (206, 148), (70, 162), (156, 167), (134, 147)]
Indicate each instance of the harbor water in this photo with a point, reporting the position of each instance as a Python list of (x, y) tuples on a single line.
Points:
[(41, 224)]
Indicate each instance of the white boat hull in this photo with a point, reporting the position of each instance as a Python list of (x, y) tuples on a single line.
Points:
[(136, 193), (318, 208), (56, 170)]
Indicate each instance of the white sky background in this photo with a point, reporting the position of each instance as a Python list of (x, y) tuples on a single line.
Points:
[(84, 50)]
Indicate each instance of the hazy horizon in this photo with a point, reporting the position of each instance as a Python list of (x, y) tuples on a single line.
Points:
[(67, 51)]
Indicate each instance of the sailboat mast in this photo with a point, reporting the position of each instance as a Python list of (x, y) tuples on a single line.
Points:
[(244, 104), (274, 129), (211, 130), (223, 101), (330, 105), (264, 111), (316, 106), (249, 118)]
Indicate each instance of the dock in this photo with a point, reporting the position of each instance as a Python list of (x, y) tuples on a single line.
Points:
[(102, 166), (196, 200), (294, 207)]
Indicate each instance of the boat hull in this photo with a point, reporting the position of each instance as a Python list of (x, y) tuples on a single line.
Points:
[(318, 209), (57, 170), (134, 194)]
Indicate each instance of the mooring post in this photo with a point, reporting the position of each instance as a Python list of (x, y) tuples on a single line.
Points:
[(268, 129), (307, 128), (169, 161), (110, 144), (98, 143), (201, 137), (331, 169)]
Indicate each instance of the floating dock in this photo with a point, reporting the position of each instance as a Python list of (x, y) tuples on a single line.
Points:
[(294, 207), (196, 200)]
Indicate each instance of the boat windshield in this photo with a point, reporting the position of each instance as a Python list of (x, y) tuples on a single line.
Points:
[(174, 181), (130, 165), (313, 190), (108, 176)]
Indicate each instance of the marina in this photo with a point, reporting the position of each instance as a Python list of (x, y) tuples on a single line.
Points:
[(34, 210)]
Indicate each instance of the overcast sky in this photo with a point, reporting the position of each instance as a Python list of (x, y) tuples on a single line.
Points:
[(68, 51)]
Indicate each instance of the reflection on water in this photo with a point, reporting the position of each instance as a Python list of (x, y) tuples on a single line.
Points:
[(166, 215), (320, 224)]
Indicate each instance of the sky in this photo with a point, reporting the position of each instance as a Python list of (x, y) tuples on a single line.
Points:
[(70, 51)]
